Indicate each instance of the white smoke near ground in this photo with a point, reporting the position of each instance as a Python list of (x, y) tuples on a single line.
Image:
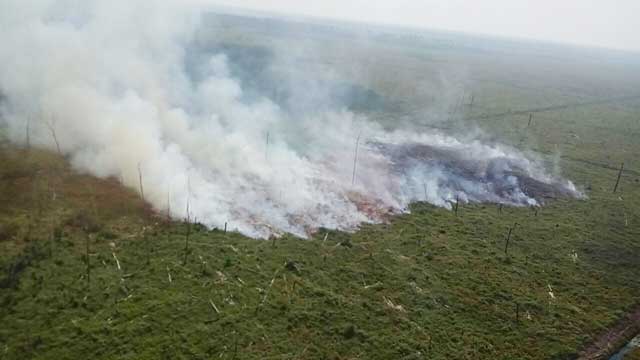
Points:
[(114, 81)]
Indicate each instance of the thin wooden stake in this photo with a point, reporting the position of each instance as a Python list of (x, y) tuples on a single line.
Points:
[(426, 197), (235, 345), (355, 161), (28, 133), (146, 241), (530, 119), (615, 188), (52, 128), (92, 199), (140, 182), (506, 245), (457, 203), (186, 238), (168, 204), (266, 292), (88, 262), (458, 102)]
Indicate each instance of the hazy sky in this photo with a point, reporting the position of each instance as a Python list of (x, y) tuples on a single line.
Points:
[(606, 23)]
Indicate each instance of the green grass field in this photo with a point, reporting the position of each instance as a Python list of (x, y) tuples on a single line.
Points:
[(89, 271)]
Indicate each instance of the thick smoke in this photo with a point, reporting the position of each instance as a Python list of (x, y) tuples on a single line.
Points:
[(124, 88)]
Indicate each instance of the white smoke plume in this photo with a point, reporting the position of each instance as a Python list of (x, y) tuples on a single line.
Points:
[(120, 86)]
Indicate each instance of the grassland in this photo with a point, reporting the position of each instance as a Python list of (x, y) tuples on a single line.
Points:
[(89, 271), (427, 283)]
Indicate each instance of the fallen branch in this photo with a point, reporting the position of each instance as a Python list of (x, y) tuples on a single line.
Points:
[(393, 306), (117, 262), (266, 293), (215, 308)]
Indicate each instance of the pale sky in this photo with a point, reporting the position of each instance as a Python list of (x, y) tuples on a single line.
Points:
[(604, 23)]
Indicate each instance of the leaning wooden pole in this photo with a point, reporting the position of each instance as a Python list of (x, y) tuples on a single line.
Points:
[(615, 188)]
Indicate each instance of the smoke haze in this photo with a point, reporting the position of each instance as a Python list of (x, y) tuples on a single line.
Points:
[(126, 86)]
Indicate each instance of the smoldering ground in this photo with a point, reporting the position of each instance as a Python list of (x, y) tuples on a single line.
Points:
[(256, 136)]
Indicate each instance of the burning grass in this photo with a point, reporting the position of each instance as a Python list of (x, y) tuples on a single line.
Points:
[(426, 283)]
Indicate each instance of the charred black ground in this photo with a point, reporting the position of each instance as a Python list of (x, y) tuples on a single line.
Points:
[(498, 179)]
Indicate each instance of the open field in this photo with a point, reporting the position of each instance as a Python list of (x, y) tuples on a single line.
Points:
[(88, 270)]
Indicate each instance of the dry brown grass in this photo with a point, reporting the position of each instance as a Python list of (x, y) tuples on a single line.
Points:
[(39, 192)]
